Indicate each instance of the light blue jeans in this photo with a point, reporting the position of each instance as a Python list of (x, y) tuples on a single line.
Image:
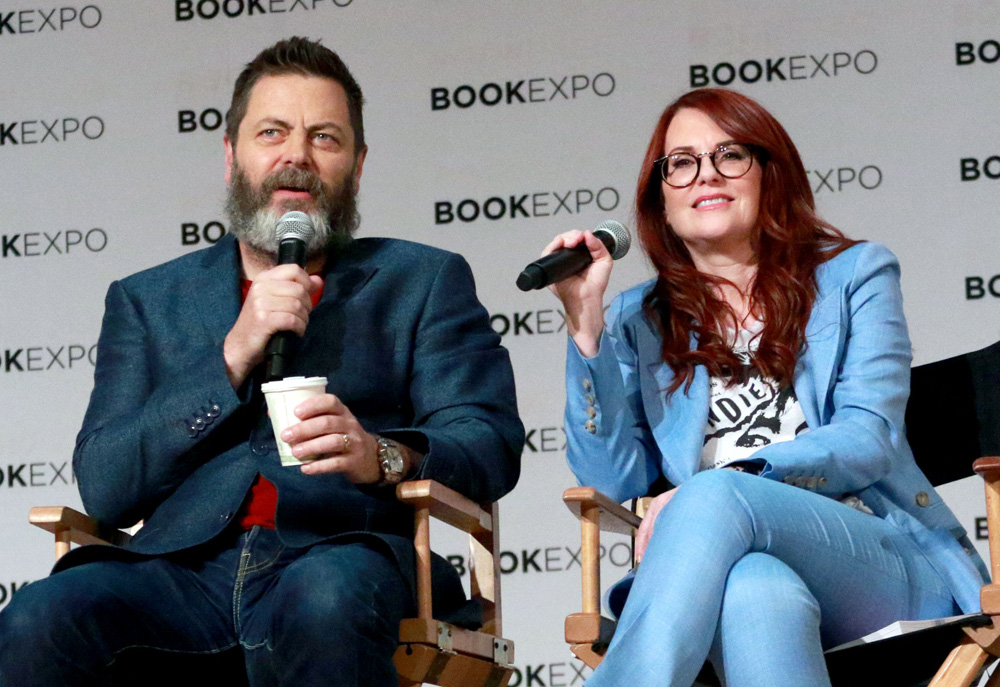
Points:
[(757, 577)]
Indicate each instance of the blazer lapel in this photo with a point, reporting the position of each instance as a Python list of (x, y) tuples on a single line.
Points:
[(815, 372), (216, 289)]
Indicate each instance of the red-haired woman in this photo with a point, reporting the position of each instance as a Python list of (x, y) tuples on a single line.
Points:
[(765, 372)]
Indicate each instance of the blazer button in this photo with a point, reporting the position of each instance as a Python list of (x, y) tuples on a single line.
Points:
[(589, 398), (821, 481), (811, 483), (213, 410), (591, 412), (789, 480), (923, 500), (586, 385), (199, 423), (192, 431), (590, 426)]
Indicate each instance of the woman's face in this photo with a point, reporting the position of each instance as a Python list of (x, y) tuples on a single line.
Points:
[(714, 216)]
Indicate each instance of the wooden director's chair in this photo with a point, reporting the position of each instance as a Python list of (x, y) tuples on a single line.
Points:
[(430, 651), (952, 418)]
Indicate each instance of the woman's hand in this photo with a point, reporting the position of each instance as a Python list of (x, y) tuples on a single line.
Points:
[(582, 295), (649, 521)]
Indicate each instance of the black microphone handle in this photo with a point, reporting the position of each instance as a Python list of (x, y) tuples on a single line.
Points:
[(290, 252), (560, 264)]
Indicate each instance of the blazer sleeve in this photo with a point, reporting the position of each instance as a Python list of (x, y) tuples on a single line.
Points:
[(141, 437), (462, 390), (609, 443), (858, 441)]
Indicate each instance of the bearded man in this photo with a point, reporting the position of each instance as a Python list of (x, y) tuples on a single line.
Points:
[(305, 570)]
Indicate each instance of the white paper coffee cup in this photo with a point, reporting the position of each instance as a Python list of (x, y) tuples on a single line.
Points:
[(282, 397)]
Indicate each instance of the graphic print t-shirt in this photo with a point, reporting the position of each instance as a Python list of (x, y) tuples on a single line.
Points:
[(750, 414)]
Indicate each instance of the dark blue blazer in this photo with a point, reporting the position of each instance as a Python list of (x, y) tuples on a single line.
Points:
[(403, 342)]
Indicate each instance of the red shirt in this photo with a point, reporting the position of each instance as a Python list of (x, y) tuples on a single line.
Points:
[(260, 505)]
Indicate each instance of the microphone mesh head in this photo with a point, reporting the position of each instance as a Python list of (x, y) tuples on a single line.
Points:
[(620, 237), (295, 225)]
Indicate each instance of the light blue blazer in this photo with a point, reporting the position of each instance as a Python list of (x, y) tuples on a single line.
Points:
[(852, 381)]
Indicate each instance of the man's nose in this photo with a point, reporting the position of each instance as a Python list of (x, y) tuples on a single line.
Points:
[(296, 151)]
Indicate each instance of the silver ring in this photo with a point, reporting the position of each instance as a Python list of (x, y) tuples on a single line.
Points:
[(347, 443)]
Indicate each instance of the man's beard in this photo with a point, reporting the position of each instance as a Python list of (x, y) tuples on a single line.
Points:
[(334, 216)]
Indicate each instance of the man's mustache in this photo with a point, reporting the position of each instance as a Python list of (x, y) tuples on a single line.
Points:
[(293, 178)]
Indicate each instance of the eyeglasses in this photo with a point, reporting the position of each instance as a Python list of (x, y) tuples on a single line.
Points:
[(731, 160)]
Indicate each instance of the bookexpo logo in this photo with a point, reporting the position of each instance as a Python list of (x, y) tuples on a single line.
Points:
[(969, 53), (46, 20), (524, 91), (208, 119), (792, 68), (846, 178), (34, 244), (58, 130), (550, 559), (537, 204), (557, 674), (186, 10), (974, 170), (193, 233), (977, 287), (46, 358), (37, 474)]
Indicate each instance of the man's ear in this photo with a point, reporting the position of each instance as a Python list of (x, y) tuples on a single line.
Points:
[(229, 158), (359, 163)]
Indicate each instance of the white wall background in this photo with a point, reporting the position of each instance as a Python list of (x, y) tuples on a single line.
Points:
[(81, 208)]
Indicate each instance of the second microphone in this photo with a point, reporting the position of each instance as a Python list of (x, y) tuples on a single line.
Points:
[(566, 262)]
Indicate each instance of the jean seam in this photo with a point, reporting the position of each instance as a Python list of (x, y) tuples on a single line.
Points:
[(240, 575), (256, 567)]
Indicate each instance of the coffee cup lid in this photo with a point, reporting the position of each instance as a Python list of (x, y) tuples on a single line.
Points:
[(289, 383)]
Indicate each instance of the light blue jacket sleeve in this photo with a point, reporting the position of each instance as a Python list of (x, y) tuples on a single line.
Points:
[(609, 442)]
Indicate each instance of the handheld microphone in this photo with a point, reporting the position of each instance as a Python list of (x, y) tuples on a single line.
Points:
[(566, 262), (294, 231)]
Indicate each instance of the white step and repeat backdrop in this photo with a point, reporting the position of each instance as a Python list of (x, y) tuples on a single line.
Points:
[(493, 126)]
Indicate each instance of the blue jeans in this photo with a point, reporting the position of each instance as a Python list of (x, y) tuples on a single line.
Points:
[(300, 615), (757, 577)]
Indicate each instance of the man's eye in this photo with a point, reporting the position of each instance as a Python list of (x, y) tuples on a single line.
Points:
[(269, 132)]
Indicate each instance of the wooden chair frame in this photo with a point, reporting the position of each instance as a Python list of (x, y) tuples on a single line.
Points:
[(430, 651)]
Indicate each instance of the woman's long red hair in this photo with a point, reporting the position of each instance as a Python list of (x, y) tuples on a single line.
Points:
[(790, 242)]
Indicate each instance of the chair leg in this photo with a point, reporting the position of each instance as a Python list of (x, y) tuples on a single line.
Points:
[(961, 667)]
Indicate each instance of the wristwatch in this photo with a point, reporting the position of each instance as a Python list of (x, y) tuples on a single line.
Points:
[(390, 461)]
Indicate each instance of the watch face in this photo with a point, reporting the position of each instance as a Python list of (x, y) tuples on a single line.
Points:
[(391, 459)]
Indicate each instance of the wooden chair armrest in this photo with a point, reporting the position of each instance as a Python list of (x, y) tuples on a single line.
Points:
[(613, 516), (72, 526), (447, 505), (987, 467), (433, 499)]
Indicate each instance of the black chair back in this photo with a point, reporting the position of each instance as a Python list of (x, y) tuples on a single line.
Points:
[(953, 415)]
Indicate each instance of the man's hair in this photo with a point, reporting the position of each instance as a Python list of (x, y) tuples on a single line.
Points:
[(301, 56)]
